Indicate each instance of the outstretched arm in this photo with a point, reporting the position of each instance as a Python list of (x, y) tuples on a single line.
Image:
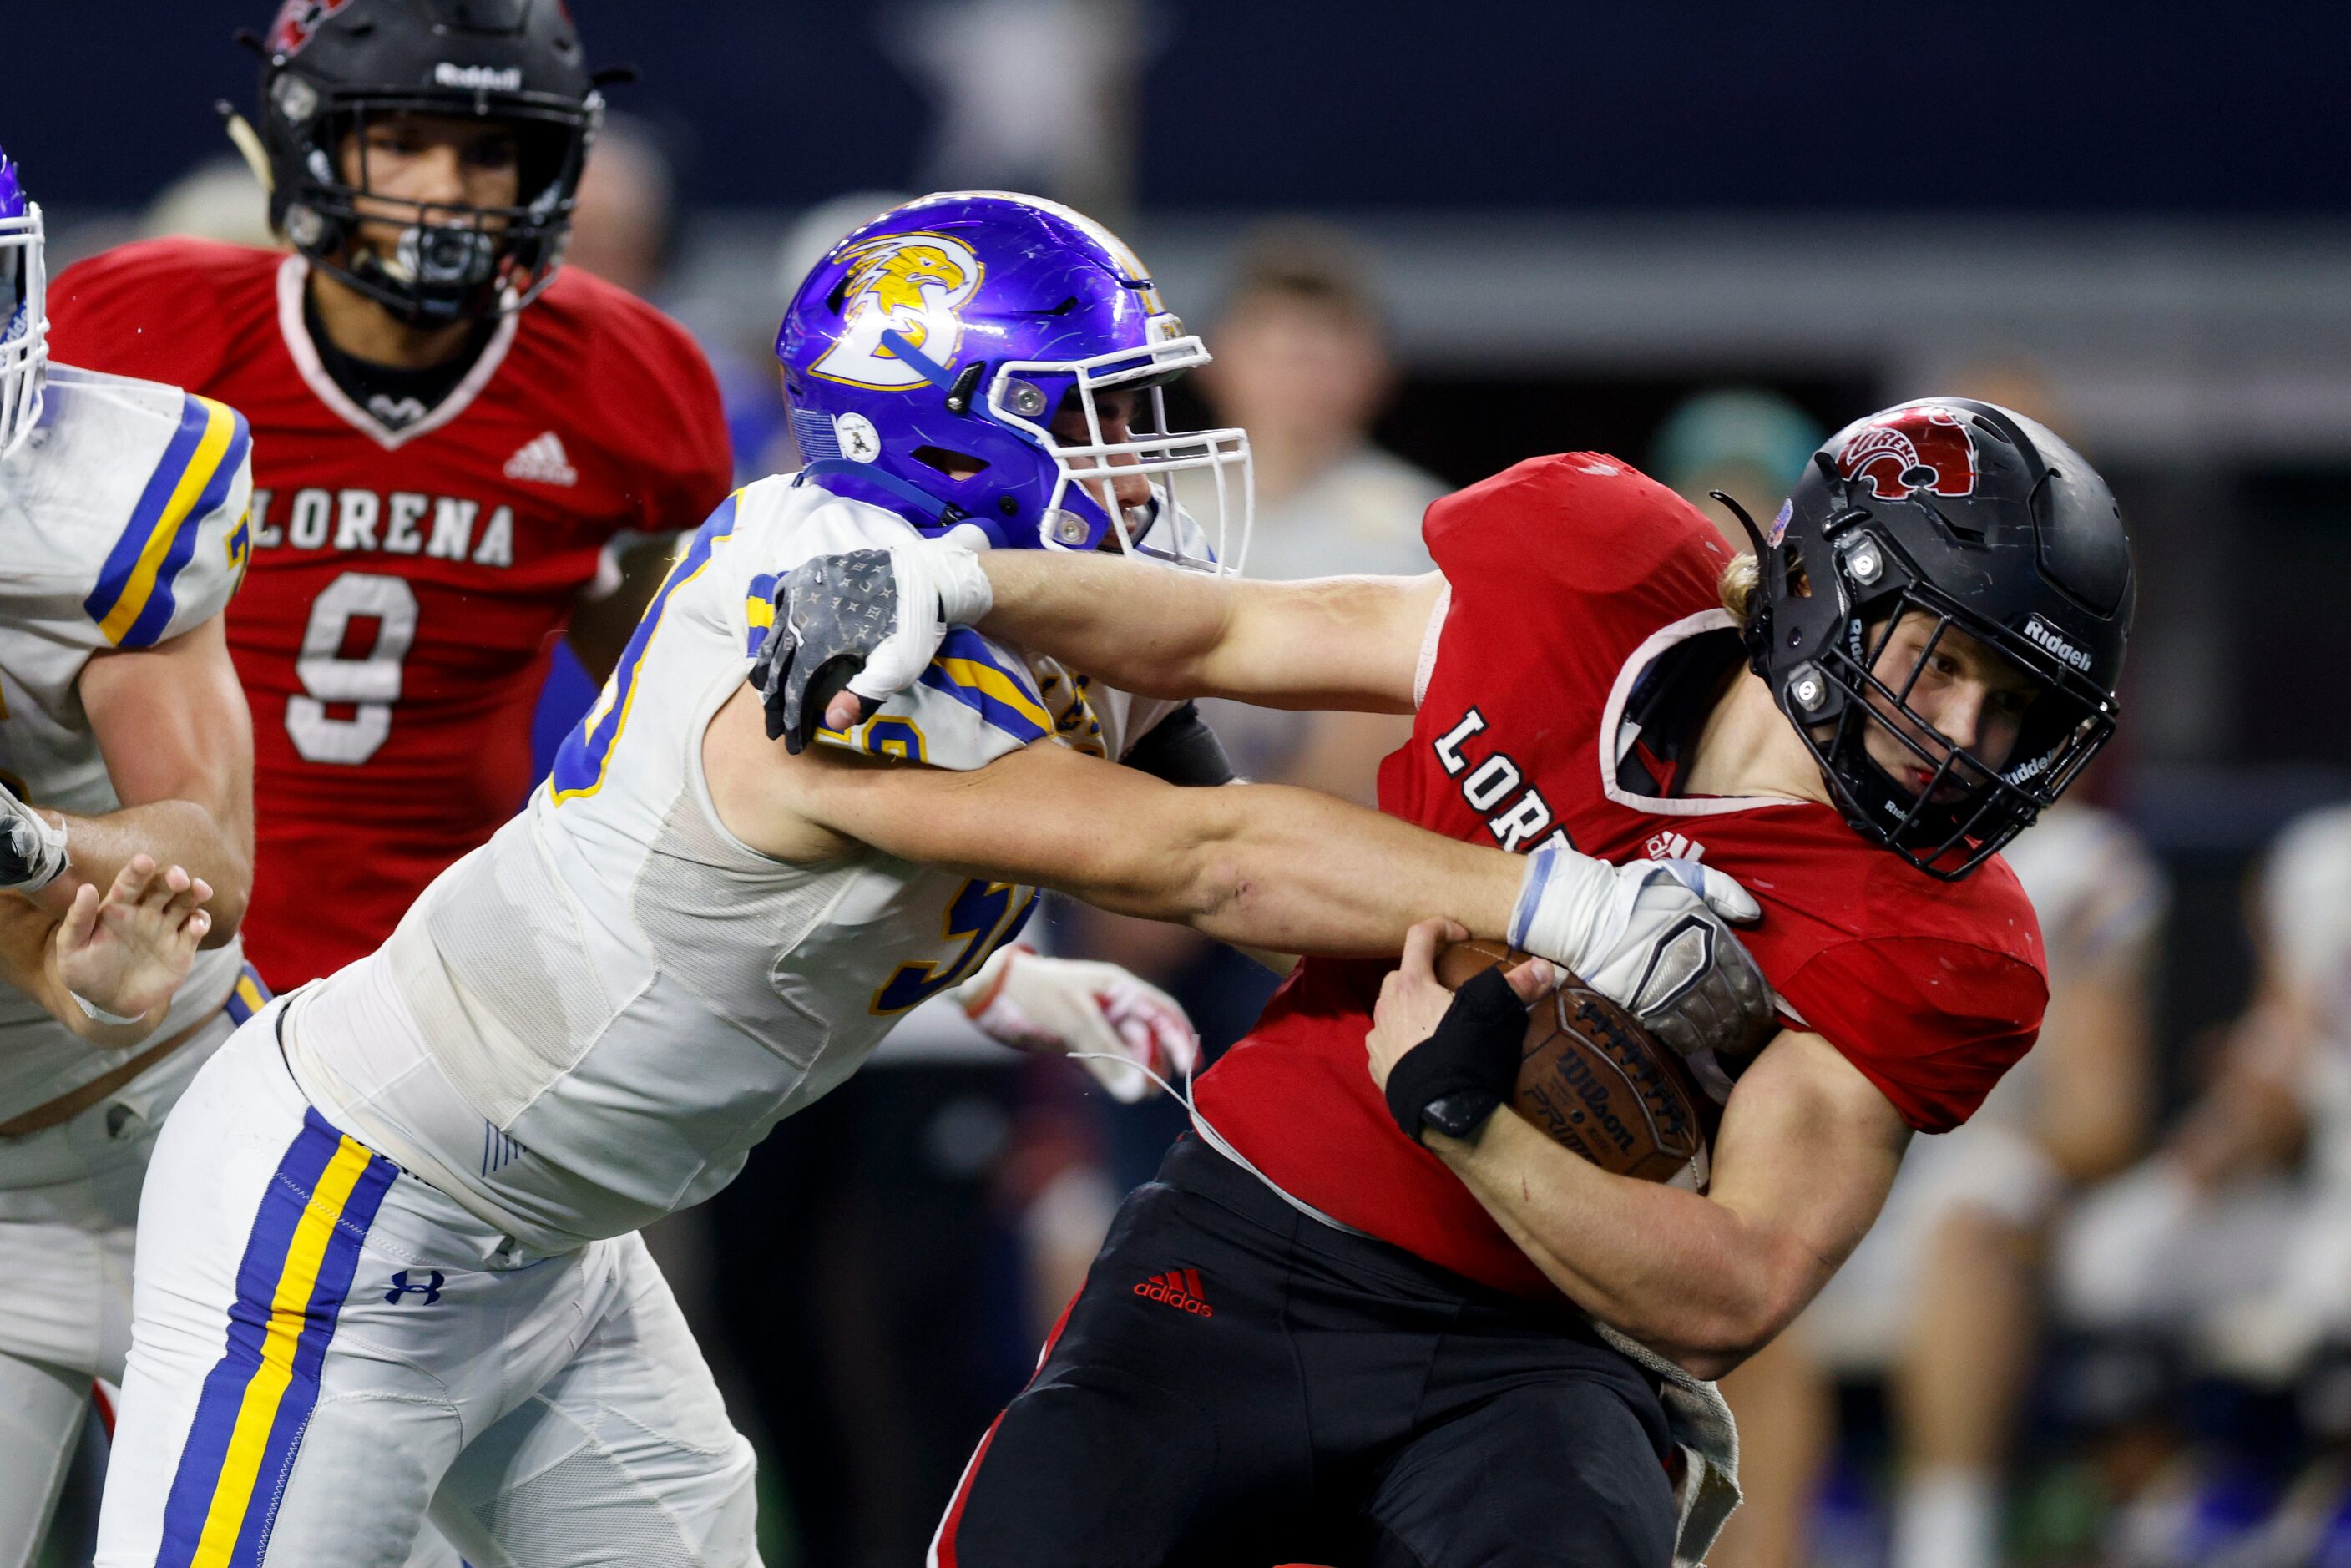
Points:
[(864, 624), (1262, 864), (1348, 643), (1253, 864)]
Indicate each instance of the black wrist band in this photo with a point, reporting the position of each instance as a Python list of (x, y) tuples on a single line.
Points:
[(1473, 1057)]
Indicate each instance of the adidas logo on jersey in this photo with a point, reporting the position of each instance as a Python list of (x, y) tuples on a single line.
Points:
[(1674, 847), (542, 462), (1180, 1289)]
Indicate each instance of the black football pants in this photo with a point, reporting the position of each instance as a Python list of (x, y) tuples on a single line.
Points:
[(1239, 1385)]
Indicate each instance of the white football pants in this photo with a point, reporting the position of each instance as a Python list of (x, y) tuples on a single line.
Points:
[(68, 1213), (324, 1348)]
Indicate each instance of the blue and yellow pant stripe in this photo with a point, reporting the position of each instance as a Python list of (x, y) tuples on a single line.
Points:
[(133, 601), (258, 1399), (247, 997)]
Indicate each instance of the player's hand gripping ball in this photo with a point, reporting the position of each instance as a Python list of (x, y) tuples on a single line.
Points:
[(1589, 1076)]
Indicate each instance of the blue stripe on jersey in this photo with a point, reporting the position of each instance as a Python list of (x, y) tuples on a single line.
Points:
[(134, 600), (587, 751), (966, 669)]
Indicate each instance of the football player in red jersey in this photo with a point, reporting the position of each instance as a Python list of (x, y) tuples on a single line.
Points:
[(452, 441), (1394, 1358)]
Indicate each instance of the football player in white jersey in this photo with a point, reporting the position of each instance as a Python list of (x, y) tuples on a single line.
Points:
[(390, 1260), (124, 744)]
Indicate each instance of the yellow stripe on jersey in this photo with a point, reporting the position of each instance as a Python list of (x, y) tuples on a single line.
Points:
[(989, 680), (220, 435)]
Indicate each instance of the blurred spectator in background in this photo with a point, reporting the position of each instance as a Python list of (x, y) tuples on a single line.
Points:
[(1040, 96), (625, 224), (1745, 441), (1302, 364), (1942, 1298), (220, 199), (2230, 1244)]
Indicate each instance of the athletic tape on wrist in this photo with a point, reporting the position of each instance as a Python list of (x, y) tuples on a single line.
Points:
[(102, 1015), (1475, 1051)]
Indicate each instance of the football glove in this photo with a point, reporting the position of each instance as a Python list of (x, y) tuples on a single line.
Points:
[(32, 853), (1653, 936), (1114, 1023), (868, 622)]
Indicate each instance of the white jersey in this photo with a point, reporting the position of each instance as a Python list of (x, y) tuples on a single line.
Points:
[(122, 523), (2097, 889), (589, 1021), (2305, 914)]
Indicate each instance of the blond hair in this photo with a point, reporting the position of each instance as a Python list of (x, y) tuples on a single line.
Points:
[(1738, 584)]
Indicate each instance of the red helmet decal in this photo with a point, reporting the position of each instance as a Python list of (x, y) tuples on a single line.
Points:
[(297, 20), (1912, 449)]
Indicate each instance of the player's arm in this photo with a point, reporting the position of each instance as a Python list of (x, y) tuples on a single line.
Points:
[(171, 723), (1341, 642), (1265, 866), (1806, 1152), (1347, 643)]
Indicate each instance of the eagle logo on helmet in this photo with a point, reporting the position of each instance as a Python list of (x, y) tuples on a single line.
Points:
[(297, 20), (1911, 449), (912, 285)]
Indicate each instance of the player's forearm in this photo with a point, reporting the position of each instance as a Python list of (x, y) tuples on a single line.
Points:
[(173, 833), (1293, 872), (1347, 643), (1681, 1273), (1139, 628)]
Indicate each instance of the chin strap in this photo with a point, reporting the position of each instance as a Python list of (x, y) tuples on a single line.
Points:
[(940, 513)]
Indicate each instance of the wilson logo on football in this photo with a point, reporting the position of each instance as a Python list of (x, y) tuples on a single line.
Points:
[(1912, 449), (1178, 1288)]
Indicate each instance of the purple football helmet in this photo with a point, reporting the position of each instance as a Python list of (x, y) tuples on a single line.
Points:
[(926, 357), (24, 315)]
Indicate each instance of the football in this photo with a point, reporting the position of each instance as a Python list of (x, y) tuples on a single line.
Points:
[(1597, 1083)]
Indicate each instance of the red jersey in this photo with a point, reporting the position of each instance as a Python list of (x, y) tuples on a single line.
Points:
[(1569, 576), (406, 583)]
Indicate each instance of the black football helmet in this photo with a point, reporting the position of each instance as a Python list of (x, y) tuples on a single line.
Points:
[(1990, 525), (330, 64)]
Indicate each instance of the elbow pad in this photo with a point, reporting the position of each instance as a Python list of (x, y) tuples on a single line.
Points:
[(1182, 749)]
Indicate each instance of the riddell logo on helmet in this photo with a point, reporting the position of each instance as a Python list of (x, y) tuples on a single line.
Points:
[(1912, 449), (478, 79), (2048, 637), (1180, 1289)]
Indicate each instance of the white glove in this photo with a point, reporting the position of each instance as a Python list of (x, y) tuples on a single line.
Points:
[(940, 584), (1071, 1007), (32, 853), (878, 615), (1650, 935)]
